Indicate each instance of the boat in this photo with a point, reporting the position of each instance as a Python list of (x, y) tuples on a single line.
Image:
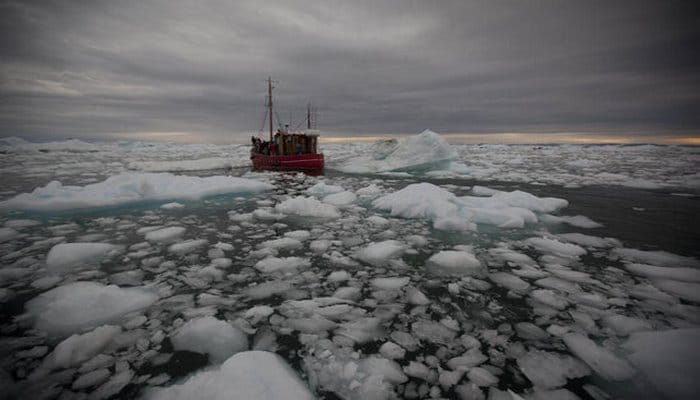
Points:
[(287, 150)]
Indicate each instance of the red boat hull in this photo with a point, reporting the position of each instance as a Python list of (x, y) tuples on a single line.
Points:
[(293, 162)]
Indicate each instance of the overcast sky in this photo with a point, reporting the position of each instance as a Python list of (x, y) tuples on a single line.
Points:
[(196, 70)]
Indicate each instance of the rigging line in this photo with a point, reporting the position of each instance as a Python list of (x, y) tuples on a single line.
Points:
[(279, 120)]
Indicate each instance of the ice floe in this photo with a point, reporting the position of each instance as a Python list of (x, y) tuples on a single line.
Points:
[(130, 188), (668, 359), (76, 306), (208, 335), (66, 257), (246, 375)]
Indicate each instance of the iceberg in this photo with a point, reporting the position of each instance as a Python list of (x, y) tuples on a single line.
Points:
[(417, 152)]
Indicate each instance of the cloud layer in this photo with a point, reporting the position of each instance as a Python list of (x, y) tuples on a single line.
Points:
[(105, 69)]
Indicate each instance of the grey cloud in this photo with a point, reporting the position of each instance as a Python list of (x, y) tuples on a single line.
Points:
[(92, 69)]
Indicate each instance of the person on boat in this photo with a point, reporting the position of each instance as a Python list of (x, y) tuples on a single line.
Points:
[(273, 148)]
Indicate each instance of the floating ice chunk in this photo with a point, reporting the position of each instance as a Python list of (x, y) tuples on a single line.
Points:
[(338, 276), (172, 206), (685, 290), (392, 351), (246, 375), (553, 246), (285, 243), (569, 274), (659, 258), (65, 257), (504, 255), (208, 335), (558, 284), (371, 190), (433, 331), (46, 282), (348, 293), (307, 207), (224, 246), (416, 297), (77, 349), (267, 214), (300, 235), (319, 246), (7, 234), (669, 359), (77, 306), (130, 188), (624, 325), (601, 360), (323, 189), (542, 394), (550, 298), (114, 385), (380, 253), (550, 370), (458, 263), (390, 283), (187, 246), (20, 224), (340, 199), (676, 274), (423, 151), (281, 265), (362, 330), (377, 220), (91, 379), (267, 289), (417, 369), (588, 241), (593, 299), (481, 377), (510, 282), (169, 234), (578, 221), (471, 358), (528, 201), (259, 312), (420, 200), (645, 291), (388, 370), (314, 324), (530, 331)]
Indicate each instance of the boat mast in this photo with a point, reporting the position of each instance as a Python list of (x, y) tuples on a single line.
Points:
[(308, 116), (269, 96)]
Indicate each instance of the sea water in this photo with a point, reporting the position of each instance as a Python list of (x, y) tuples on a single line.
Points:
[(494, 272)]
